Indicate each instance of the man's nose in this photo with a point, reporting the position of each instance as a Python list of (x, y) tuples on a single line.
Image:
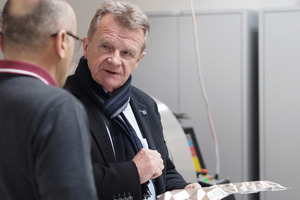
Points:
[(115, 58)]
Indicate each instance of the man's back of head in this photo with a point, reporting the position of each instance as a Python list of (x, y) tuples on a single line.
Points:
[(28, 24), (27, 29)]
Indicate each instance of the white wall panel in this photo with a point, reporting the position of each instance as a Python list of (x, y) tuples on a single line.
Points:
[(158, 70), (280, 99)]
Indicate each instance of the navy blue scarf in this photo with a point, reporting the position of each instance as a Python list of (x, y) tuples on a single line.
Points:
[(126, 142)]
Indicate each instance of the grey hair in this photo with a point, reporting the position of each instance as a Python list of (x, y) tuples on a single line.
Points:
[(32, 29), (127, 14)]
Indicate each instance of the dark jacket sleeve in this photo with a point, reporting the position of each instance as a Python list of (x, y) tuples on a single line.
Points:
[(117, 180), (170, 179)]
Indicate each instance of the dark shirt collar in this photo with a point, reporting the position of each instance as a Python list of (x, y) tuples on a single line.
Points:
[(25, 68)]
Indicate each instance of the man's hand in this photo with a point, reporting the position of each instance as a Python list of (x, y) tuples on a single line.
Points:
[(193, 186), (149, 164)]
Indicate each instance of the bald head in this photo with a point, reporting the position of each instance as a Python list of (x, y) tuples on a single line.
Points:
[(21, 8), (28, 24)]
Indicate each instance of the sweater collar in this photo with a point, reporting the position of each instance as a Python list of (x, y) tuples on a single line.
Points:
[(28, 69)]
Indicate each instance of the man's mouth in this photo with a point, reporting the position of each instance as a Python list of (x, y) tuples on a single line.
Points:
[(111, 72)]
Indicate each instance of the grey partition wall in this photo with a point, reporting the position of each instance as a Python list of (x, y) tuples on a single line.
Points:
[(279, 87), (228, 51)]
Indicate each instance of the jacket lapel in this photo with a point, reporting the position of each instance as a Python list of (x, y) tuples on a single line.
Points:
[(97, 127), (142, 118), (100, 134)]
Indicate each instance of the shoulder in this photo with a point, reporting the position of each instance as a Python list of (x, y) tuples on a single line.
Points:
[(140, 99), (140, 96), (55, 100), (37, 94), (55, 112), (61, 95)]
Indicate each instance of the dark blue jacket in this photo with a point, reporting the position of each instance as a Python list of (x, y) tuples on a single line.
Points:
[(113, 179)]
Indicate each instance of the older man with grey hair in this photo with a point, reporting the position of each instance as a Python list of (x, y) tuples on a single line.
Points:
[(129, 154)]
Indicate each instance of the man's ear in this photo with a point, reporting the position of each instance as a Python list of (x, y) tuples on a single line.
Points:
[(1, 42), (139, 59), (85, 46), (61, 43)]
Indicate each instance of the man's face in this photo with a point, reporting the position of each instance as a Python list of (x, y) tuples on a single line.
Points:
[(113, 53)]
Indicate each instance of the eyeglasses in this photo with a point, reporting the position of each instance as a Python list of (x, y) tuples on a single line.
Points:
[(78, 40)]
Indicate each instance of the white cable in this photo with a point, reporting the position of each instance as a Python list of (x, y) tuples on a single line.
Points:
[(204, 91)]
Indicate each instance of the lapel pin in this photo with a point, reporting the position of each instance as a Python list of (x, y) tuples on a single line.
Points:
[(144, 112)]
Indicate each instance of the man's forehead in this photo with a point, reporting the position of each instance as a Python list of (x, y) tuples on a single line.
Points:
[(112, 26)]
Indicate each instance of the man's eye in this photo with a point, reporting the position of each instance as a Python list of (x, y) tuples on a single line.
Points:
[(127, 55), (104, 48)]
